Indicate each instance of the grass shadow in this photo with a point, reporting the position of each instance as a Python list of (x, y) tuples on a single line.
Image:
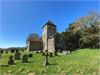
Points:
[(30, 62), (4, 65), (52, 64)]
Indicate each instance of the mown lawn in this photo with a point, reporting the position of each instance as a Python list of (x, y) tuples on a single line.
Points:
[(81, 62)]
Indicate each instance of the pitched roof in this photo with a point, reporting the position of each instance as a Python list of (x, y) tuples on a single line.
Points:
[(49, 23), (35, 39)]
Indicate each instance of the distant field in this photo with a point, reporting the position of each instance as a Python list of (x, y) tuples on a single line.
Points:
[(82, 62)]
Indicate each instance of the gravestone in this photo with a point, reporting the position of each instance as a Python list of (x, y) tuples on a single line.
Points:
[(12, 50), (51, 54), (60, 51), (43, 54), (17, 55), (68, 51), (41, 51), (22, 50), (11, 60), (6, 51), (30, 55), (55, 53), (1, 51), (25, 59)]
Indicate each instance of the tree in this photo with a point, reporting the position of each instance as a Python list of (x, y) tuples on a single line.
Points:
[(59, 41), (83, 33)]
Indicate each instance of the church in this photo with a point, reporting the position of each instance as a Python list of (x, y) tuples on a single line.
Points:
[(34, 43), (47, 42)]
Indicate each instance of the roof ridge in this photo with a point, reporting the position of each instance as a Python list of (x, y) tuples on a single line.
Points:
[(49, 23)]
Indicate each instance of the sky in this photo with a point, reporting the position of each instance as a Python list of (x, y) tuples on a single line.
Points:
[(19, 18)]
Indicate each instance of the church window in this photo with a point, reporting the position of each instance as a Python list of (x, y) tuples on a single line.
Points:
[(49, 28)]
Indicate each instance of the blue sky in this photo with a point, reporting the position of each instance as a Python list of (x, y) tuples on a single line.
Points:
[(19, 18)]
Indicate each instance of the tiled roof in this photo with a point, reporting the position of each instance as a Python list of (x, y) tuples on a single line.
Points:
[(49, 23), (35, 39)]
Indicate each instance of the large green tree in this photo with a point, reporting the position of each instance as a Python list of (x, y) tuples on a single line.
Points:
[(83, 33)]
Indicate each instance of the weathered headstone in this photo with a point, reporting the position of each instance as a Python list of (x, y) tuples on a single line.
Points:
[(51, 54), (65, 52), (11, 60), (22, 50), (55, 53), (68, 51), (36, 52), (25, 59), (17, 55), (6, 51), (61, 51), (12, 50), (30, 55), (41, 51), (1, 51), (43, 54)]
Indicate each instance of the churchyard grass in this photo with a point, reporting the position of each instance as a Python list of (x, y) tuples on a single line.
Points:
[(82, 62)]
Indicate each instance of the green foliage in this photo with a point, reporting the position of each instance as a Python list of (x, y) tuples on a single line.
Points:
[(59, 41), (83, 33)]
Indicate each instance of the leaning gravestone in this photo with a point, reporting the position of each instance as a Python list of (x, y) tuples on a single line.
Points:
[(17, 55), (11, 60), (43, 54), (51, 54), (25, 59)]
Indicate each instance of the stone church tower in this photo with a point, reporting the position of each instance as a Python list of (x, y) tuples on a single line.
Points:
[(48, 36)]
